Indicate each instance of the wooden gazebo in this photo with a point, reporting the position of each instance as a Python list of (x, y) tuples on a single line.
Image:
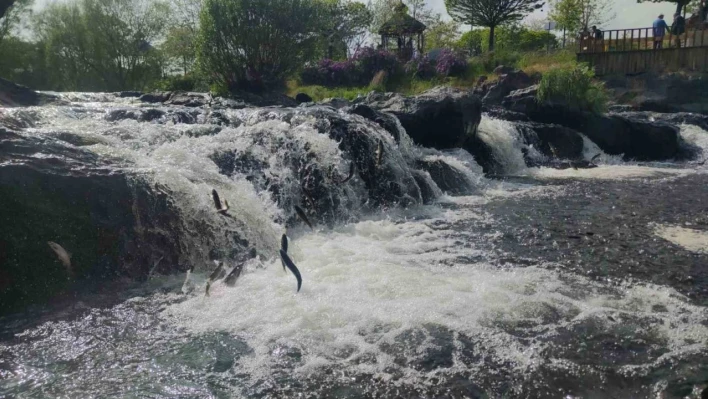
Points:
[(403, 33)]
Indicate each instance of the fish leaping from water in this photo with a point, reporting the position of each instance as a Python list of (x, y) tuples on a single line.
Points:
[(63, 255), (187, 287), (222, 209), (289, 263), (352, 170), (302, 216), (284, 248)]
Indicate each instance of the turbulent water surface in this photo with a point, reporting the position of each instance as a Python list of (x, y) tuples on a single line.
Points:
[(545, 284)]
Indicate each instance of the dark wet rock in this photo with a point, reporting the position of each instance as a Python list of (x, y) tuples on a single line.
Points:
[(677, 118), (336, 103), (619, 108), (14, 95), (303, 98), (122, 114), (441, 118), (182, 116), (150, 115), (51, 192), (218, 118), (448, 178), (230, 103), (386, 121), (156, 97), (267, 99), (673, 92), (503, 70), (427, 191), (130, 94), (506, 84), (614, 134), (187, 99), (518, 100), (552, 140), (504, 114)]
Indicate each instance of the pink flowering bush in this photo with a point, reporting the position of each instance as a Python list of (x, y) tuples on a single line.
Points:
[(451, 63)]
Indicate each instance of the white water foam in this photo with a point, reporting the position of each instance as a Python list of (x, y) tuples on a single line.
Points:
[(690, 239), (505, 143), (366, 283)]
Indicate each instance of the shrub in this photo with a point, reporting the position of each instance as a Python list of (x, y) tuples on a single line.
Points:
[(255, 44), (574, 87), (421, 68), (329, 73), (178, 83), (369, 61), (451, 63)]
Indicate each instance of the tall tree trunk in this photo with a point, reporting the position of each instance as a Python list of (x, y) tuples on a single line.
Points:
[(491, 38)]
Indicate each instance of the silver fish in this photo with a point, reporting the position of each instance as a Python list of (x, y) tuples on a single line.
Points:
[(234, 275), (218, 272), (302, 216), (222, 209), (289, 263), (352, 169), (187, 286), (284, 247), (154, 267), (595, 157), (63, 255), (208, 285)]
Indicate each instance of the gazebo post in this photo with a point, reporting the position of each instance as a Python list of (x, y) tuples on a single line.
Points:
[(404, 28)]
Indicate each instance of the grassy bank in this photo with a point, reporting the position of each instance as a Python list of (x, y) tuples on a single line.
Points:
[(531, 63)]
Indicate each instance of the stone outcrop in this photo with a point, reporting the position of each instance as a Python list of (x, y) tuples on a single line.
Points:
[(14, 95), (508, 82), (676, 92), (441, 118)]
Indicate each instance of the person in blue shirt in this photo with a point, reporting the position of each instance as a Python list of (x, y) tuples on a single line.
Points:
[(660, 28)]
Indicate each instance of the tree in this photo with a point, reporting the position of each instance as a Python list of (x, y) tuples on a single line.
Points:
[(11, 17), (490, 13), (441, 34), (256, 44), (679, 3), (343, 21), (580, 15), (103, 45), (382, 11)]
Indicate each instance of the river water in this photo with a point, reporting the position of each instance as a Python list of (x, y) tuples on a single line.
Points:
[(542, 284)]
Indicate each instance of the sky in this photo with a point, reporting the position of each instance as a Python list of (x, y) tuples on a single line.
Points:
[(630, 14)]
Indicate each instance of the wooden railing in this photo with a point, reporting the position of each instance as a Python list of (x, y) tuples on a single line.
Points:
[(641, 39)]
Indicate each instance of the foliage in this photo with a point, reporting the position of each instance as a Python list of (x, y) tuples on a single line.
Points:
[(25, 63), (679, 3), (450, 63), (343, 21), (255, 44), (441, 33), (542, 62), (102, 44), (490, 13), (369, 61), (420, 68), (509, 38), (179, 83), (573, 86), (581, 15), (13, 17), (179, 47), (329, 73)]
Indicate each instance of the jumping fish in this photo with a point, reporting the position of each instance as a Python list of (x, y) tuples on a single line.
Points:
[(284, 247), (186, 286), (234, 275), (593, 159), (222, 209), (352, 169), (154, 267), (379, 154), (289, 263), (218, 272), (553, 150), (63, 255), (208, 285), (302, 216)]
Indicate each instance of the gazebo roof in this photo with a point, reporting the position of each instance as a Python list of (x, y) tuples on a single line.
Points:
[(401, 23)]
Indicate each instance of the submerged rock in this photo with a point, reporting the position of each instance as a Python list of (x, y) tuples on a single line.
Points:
[(441, 118)]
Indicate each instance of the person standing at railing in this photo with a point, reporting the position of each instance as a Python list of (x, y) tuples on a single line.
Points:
[(660, 28), (599, 40), (678, 28)]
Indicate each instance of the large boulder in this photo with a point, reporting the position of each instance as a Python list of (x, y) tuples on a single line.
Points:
[(111, 225), (441, 118), (448, 178), (676, 118), (552, 140), (302, 98), (14, 95), (636, 139), (676, 92), (507, 83)]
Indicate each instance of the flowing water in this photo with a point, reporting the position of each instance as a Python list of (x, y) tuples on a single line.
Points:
[(547, 284)]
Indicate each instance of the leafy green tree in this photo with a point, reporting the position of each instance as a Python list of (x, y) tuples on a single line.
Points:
[(256, 44), (490, 13), (580, 15), (11, 18), (179, 48), (441, 34), (509, 38), (97, 45), (343, 22)]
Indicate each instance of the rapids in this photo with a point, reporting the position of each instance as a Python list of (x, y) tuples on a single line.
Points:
[(543, 283)]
